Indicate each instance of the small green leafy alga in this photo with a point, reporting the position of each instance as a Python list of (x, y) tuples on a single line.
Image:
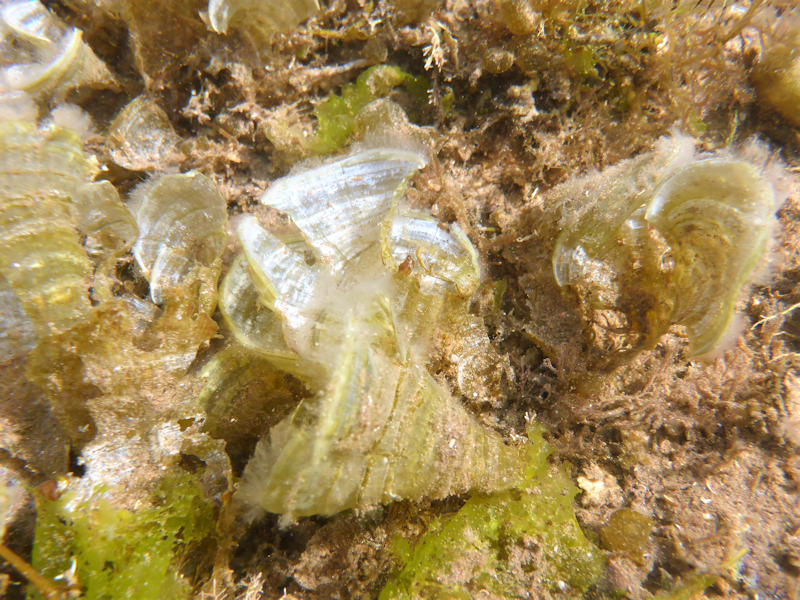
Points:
[(336, 116), (122, 554)]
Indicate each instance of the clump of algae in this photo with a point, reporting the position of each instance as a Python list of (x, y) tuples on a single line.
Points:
[(117, 553), (355, 326), (697, 581), (585, 63), (337, 115), (497, 546)]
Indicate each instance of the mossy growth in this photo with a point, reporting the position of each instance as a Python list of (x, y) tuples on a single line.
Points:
[(116, 553), (336, 116), (504, 545)]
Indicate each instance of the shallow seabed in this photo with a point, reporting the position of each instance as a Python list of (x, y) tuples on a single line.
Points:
[(685, 471)]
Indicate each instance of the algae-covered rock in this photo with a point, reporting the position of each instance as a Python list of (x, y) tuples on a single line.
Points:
[(504, 545), (164, 37), (409, 385), (112, 552)]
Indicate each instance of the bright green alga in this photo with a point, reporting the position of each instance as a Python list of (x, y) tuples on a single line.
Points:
[(118, 554), (336, 116), (505, 545)]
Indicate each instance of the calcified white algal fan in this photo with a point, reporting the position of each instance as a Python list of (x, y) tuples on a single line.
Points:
[(259, 16), (669, 237), (141, 137), (349, 302), (43, 181), (181, 222), (41, 55)]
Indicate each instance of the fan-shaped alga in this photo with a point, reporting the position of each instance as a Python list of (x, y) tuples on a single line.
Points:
[(671, 237)]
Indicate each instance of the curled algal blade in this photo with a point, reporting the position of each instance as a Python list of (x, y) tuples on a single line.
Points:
[(259, 16), (338, 206), (666, 238), (40, 54), (379, 432), (181, 221)]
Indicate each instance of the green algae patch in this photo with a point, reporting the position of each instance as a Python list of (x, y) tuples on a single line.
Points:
[(698, 581), (336, 116), (117, 553), (505, 545), (691, 588)]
